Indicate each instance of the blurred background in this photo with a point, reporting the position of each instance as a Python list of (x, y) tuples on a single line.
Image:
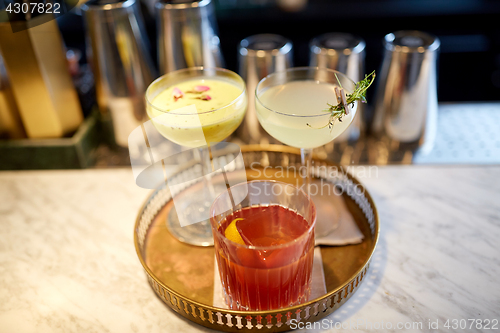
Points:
[(467, 77), (467, 29)]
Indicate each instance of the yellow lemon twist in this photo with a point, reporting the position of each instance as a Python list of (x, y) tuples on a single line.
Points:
[(232, 232)]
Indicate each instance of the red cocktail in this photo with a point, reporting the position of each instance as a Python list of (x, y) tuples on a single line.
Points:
[(264, 245)]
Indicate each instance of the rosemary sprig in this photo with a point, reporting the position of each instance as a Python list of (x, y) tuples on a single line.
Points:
[(359, 94)]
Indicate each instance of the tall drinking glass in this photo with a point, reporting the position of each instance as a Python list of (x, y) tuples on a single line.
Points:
[(196, 107), (291, 106)]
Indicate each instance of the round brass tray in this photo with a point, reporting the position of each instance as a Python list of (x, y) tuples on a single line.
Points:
[(182, 275)]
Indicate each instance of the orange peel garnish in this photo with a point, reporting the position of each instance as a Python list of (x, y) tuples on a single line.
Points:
[(232, 232)]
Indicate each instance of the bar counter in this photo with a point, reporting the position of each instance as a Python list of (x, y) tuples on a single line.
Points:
[(68, 262)]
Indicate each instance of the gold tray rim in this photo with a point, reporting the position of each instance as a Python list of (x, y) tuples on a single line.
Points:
[(264, 313)]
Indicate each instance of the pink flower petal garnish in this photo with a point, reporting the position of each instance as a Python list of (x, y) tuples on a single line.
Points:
[(201, 88), (177, 93), (204, 97)]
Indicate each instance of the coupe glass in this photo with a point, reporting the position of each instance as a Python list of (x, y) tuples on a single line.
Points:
[(291, 106), (196, 119)]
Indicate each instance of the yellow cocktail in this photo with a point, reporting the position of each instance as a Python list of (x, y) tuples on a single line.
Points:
[(196, 109)]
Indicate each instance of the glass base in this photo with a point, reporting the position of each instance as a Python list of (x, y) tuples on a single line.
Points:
[(189, 218), (195, 203), (199, 234)]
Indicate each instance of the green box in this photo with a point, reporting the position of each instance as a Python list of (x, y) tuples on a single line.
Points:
[(76, 152)]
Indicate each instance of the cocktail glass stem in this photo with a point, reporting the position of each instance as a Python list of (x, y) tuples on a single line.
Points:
[(327, 224), (306, 161), (206, 171)]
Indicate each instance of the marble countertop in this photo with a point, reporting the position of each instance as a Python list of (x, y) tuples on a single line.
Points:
[(68, 263)]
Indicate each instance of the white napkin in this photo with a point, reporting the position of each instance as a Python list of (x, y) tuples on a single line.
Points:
[(333, 208), (318, 286)]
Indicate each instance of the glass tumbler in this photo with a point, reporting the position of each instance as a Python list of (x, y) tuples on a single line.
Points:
[(270, 266)]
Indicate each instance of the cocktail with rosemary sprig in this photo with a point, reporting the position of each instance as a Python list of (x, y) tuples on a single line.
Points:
[(307, 107)]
